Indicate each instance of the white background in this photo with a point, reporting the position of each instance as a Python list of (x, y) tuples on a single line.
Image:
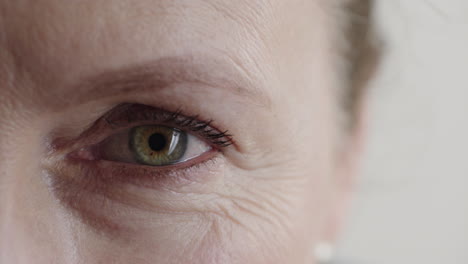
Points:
[(411, 204)]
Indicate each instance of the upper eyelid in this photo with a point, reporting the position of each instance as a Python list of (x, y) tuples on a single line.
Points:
[(217, 72), (113, 121), (154, 115)]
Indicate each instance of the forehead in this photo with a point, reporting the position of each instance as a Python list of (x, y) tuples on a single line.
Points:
[(54, 42), (117, 30)]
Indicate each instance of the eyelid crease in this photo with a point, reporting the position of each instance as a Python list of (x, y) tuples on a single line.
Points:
[(215, 72)]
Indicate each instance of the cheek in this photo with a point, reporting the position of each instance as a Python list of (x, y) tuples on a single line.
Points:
[(275, 217), (281, 203)]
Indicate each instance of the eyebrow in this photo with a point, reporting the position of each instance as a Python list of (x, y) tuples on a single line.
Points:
[(164, 72)]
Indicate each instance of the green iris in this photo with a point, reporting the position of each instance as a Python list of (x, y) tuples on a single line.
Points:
[(158, 145)]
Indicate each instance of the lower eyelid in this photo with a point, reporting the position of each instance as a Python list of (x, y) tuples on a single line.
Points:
[(75, 181), (158, 178)]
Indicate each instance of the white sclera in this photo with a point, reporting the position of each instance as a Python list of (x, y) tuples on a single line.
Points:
[(195, 148)]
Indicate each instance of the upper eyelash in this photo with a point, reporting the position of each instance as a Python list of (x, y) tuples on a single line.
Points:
[(194, 124), (184, 122)]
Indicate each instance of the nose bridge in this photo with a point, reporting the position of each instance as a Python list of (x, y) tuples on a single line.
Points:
[(24, 199)]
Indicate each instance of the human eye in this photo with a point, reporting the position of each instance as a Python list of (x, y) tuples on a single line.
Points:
[(140, 145), (153, 145), (152, 137)]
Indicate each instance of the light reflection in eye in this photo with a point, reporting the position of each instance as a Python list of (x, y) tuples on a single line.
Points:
[(153, 145)]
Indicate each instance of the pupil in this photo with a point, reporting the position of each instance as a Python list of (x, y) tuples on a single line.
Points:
[(157, 142)]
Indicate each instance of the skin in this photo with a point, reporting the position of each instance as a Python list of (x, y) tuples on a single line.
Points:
[(264, 70)]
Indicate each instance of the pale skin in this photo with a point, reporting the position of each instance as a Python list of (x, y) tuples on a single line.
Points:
[(264, 70)]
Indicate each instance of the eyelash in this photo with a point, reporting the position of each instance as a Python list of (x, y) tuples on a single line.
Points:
[(192, 123), (204, 129)]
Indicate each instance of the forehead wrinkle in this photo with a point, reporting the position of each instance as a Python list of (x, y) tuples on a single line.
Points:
[(68, 50), (161, 74)]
